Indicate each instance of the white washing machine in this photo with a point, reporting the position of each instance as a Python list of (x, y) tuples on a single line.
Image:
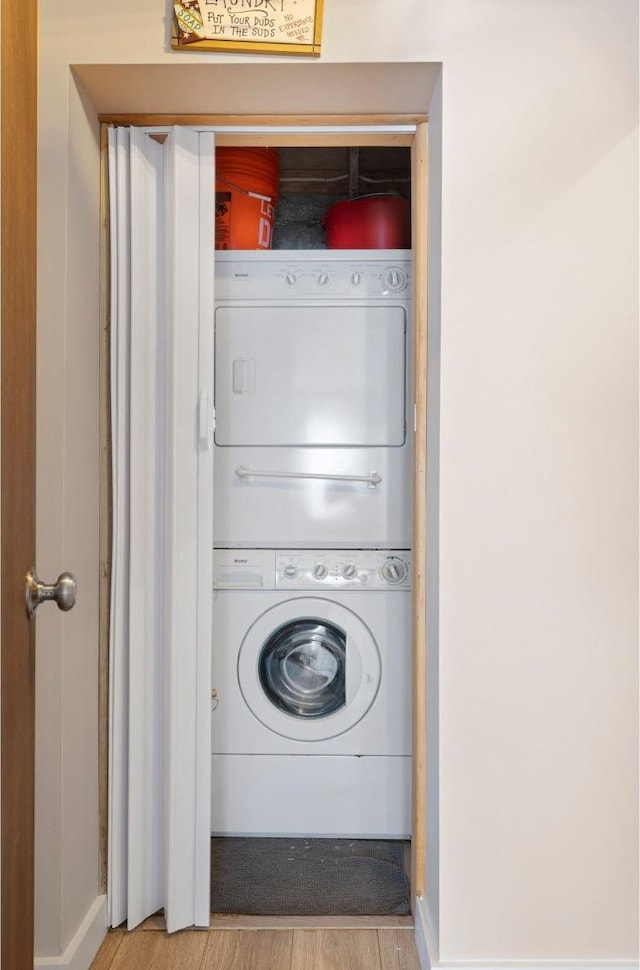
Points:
[(311, 693), (313, 399)]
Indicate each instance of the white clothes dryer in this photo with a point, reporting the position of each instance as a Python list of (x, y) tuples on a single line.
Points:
[(313, 399), (311, 727)]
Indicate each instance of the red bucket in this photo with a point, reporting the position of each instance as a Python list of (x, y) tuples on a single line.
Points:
[(246, 196), (369, 222)]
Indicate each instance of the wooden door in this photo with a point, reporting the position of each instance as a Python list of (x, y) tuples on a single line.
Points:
[(18, 427)]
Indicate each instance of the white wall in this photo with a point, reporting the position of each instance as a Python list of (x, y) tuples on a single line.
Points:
[(434, 336), (537, 450), (538, 464)]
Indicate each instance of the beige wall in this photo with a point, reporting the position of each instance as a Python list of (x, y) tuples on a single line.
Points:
[(537, 456)]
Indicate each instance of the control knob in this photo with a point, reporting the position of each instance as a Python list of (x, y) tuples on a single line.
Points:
[(323, 279), (394, 570), (320, 570), (356, 279), (291, 278), (290, 571), (350, 571), (394, 278)]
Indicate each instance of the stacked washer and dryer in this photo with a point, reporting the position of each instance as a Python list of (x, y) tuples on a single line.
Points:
[(311, 686)]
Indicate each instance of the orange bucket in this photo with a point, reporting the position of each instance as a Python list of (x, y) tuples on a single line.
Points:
[(246, 196)]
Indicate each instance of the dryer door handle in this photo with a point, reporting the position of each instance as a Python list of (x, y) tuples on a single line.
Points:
[(243, 380)]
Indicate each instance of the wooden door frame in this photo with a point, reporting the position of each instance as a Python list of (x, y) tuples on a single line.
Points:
[(417, 141), (18, 477)]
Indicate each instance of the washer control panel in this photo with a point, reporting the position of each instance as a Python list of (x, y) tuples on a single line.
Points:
[(336, 569), (343, 569), (356, 569)]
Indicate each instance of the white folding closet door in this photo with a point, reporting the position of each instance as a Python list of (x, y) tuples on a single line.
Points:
[(162, 224), (119, 219), (189, 597)]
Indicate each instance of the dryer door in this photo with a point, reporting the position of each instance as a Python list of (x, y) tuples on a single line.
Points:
[(310, 376), (309, 669)]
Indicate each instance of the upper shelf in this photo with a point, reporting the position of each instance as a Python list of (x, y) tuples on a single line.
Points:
[(344, 172)]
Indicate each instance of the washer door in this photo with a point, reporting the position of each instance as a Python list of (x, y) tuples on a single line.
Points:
[(302, 668), (309, 669)]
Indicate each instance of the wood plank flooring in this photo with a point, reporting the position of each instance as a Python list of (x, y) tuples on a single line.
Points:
[(283, 949)]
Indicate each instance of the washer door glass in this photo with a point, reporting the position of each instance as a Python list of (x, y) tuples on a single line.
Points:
[(302, 668)]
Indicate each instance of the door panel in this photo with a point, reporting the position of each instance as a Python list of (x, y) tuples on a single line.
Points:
[(18, 403)]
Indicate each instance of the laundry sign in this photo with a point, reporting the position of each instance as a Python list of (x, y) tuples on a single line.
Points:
[(252, 26)]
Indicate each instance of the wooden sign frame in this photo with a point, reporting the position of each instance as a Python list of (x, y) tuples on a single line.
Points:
[(251, 26)]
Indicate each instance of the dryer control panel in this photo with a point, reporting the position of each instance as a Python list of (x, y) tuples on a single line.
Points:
[(344, 569), (291, 275)]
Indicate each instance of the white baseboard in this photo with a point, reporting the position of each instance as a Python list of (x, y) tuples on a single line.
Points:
[(85, 944), (427, 944), (426, 940), (534, 965)]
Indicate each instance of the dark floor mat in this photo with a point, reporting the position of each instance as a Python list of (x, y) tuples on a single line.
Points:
[(308, 877)]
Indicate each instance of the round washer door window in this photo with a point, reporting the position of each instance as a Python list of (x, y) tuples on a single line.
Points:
[(309, 669), (302, 668)]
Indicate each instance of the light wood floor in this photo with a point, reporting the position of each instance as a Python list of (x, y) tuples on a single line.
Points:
[(283, 949)]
